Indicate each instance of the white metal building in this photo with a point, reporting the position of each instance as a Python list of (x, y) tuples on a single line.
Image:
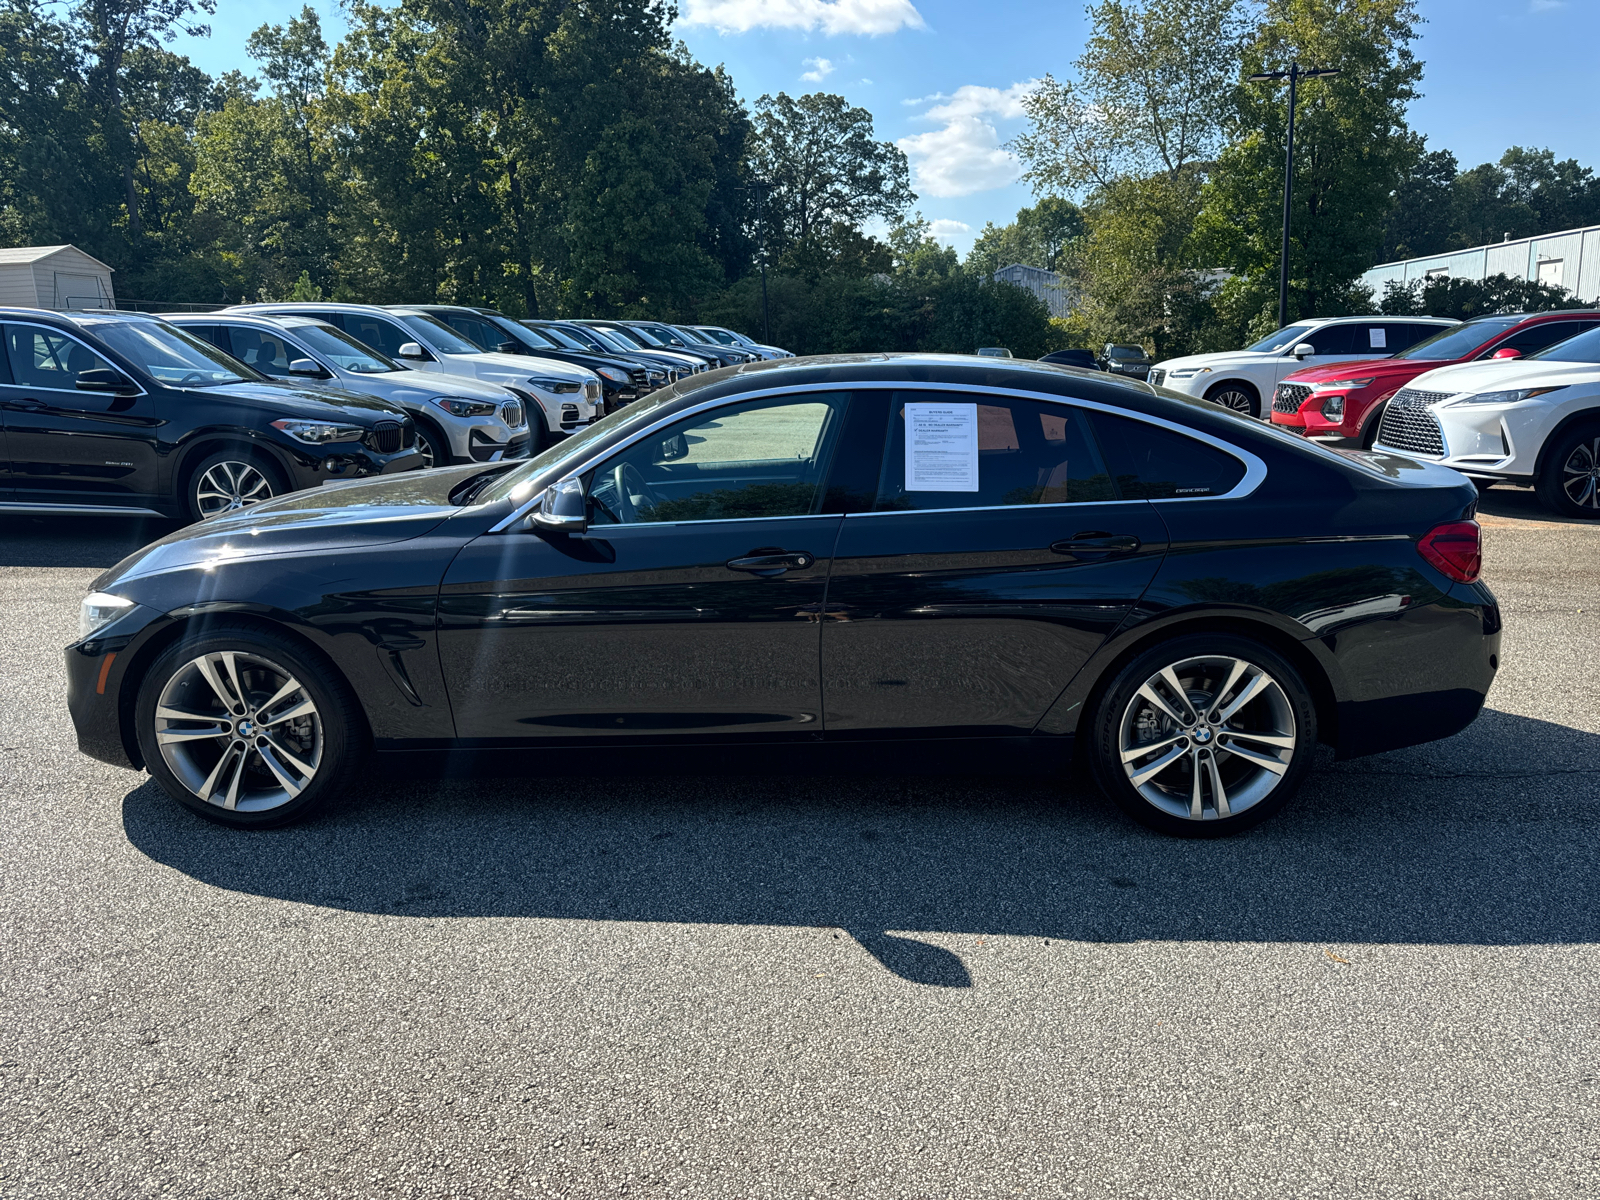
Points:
[(58, 277), (1570, 259), (1047, 285)]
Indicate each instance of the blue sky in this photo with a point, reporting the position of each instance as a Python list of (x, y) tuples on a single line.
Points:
[(944, 77)]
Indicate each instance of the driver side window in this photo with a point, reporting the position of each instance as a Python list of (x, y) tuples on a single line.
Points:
[(762, 458)]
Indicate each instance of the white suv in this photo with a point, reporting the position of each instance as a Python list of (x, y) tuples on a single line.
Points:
[(1531, 420), (567, 395), (1243, 380)]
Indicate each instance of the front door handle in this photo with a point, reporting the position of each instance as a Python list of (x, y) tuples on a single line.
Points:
[(28, 404), (1096, 542), (771, 563)]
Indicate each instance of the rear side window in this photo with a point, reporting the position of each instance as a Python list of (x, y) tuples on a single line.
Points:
[(968, 451), (1153, 463), (1539, 337), (1402, 335), (211, 333), (43, 358), (266, 352), (476, 330), (1335, 339), (386, 337)]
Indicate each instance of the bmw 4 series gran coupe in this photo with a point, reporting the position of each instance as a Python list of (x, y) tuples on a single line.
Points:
[(996, 558)]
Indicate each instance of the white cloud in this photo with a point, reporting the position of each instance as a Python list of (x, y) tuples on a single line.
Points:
[(1540, 6), (830, 16), (821, 68), (965, 156), (946, 230)]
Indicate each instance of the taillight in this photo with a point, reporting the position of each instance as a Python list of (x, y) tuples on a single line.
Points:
[(1455, 548)]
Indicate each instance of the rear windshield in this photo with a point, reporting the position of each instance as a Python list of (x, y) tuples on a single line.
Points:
[(1459, 341)]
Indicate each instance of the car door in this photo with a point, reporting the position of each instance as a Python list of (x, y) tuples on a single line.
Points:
[(689, 609), (68, 446), (996, 557)]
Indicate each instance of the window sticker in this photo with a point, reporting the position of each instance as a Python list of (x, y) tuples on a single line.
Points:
[(941, 447), (1377, 337)]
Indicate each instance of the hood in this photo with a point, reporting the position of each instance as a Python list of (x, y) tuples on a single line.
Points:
[(1378, 368), (518, 367), (437, 383), (310, 399), (1218, 358), (1503, 374), (368, 512)]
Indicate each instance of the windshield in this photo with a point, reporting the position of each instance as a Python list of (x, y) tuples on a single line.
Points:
[(615, 340), (1585, 348), (1458, 341), (170, 355), (632, 333), (1126, 351), (721, 335), (561, 337), (436, 334), (344, 351), (1286, 336), (523, 333), (517, 485)]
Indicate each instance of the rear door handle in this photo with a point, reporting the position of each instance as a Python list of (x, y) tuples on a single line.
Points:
[(1096, 542), (772, 563)]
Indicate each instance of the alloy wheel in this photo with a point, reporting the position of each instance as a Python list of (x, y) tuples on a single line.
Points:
[(1207, 738), (239, 731), (227, 485), (1580, 474), (1237, 400)]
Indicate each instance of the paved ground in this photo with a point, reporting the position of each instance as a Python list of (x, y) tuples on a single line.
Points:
[(745, 987)]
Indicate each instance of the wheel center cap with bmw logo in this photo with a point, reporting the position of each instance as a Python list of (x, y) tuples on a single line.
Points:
[(1202, 735), (246, 729)]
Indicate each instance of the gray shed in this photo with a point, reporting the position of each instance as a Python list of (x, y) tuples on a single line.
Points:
[(58, 277)]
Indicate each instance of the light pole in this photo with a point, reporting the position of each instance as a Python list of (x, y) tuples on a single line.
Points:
[(1294, 75), (759, 188)]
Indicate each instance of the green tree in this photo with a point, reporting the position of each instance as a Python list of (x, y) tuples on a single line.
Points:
[(1352, 151), (1422, 220), (824, 167), (1041, 236)]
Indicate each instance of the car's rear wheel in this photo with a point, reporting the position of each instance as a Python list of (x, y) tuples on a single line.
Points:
[(1570, 481), (1240, 397), (229, 480), (1204, 735), (246, 728)]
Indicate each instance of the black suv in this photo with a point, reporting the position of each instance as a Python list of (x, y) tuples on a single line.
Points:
[(122, 412), (1130, 361)]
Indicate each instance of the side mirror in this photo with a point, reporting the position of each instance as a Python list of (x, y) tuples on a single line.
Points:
[(674, 447), (104, 379), (1303, 350), (508, 348), (1506, 352), (306, 366), (564, 509), (411, 350)]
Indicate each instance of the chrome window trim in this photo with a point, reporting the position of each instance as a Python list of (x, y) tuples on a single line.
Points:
[(1255, 470), (97, 353)]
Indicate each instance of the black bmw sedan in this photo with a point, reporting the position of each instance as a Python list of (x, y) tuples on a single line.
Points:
[(123, 413), (880, 552)]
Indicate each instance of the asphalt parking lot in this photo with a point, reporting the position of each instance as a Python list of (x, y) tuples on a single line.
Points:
[(749, 986)]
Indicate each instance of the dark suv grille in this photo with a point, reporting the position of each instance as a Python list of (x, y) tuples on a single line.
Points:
[(1289, 397), (386, 437), (1408, 425)]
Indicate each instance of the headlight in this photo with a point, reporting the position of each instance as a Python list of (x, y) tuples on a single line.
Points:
[(560, 387), (613, 374), (1341, 384), (320, 433), (1188, 372), (1510, 397), (457, 407), (98, 610)]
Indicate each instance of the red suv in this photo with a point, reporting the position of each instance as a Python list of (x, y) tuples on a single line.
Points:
[(1343, 402)]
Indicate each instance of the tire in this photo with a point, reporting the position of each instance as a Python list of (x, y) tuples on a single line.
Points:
[(231, 479), (1569, 482), (538, 432), (434, 445), (1276, 722), (243, 773), (1240, 397), (1369, 438)]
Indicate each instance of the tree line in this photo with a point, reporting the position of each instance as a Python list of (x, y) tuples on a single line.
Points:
[(550, 158)]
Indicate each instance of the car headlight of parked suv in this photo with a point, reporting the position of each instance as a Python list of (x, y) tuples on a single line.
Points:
[(456, 406), (320, 433), (1188, 372), (561, 387), (1509, 397), (1341, 385), (614, 375), (98, 610)]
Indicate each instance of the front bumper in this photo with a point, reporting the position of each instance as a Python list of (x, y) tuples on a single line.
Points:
[(1486, 441), (97, 677)]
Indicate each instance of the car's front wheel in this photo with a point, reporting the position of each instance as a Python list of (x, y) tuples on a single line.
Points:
[(231, 479), (433, 447), (1570, 481), (1240, 397), (247, 728), (1204, 735)]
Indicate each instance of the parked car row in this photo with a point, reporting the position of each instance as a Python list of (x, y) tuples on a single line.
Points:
[(189, 415)]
